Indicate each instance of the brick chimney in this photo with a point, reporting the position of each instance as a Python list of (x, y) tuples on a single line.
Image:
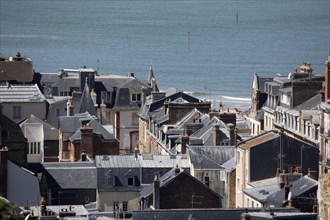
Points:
[(86, 140), (216, 134), (327, 80), (42, 206), (156, 193)]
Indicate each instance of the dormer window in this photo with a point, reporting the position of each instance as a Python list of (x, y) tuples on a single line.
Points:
[(136, 97)]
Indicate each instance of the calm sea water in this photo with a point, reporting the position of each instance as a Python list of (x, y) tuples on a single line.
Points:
[(269, 37)]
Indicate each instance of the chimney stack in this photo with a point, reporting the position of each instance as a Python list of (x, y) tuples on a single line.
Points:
[(184, 142), (86, 140), (231, 130), (83, 156), (156, 193), (144, 95), (69, 108), (216, 134), (207, 179), (177, 169), (327, 80), (42, 206), (93, 95)]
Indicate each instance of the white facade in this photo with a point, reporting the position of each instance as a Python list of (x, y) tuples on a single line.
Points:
[(35, 135)]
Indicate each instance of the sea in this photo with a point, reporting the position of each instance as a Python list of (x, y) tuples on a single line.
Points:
[(207, 48)]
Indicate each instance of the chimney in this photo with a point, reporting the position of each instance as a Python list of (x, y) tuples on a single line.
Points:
[(83, 156), (144, 95), (216, 134), (69, 108), (156, 193), (131, 75), (231, 131), (3, 155), (86, 140), (327, 80), (207, 179), (184, 142), (42, 206), (245, 215), (93, 95), (177, 169), (286, 191), (103, 108), (153, 85)]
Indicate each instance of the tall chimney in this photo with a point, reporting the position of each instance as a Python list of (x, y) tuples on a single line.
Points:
[(69, 108), (207, 179), (144, 95), (86, 140), (231, 130), (93, 95), (156, 193), (216, 134), (103, 108), (184, 142), (327, 80)]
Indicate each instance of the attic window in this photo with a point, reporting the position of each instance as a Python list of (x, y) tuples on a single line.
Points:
[(130, 181), (136, 97)]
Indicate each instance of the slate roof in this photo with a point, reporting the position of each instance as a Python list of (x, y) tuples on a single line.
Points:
[(210, 157), (230, 164), (97, 129), (50, 132), (72, 123), (144, 161), (299, 187), (167, 178), (123, 100), (311, 104), (262, 81), (78, 175), (21, 93), (86, 103), (260, 194), (116, 161), (148, 109)]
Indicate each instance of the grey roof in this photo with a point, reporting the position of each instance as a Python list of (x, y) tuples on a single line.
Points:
[(97, 129), (167, 178), (80, 210), (310, 104), (50, 132), (163, 161), (72, 123), (78, 175), (260, 194), (230, 164), (145, 161), (210, 157), (86, 103), (123, 100), (299, 187), (262, 81), (150, 107), (116, 161), (21, 93)]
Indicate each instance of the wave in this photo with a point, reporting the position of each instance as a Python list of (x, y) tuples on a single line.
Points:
[(236, 98)]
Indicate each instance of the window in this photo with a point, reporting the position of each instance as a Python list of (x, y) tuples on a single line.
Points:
[(130, 181), (34, 147), (16, 111), (125, 206), (115, 206), (136, 97)]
